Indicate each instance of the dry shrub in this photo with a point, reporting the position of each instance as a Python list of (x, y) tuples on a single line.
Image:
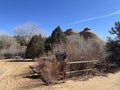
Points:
[(80, 49), (11, 47), (48, 67)]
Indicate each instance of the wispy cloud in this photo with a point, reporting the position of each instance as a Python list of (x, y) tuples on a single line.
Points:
[(95, 18)]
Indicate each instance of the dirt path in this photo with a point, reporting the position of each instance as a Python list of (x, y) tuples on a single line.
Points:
[(12, 75), (11, 78)]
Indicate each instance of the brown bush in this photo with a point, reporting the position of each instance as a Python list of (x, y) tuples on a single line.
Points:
[(78, 49), (48, 66), (89, 49)]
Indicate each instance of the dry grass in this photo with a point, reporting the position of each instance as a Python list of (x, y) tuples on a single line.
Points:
[(11, 78)]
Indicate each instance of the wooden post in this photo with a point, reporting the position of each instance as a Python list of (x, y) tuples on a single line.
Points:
[(64, 75), (107, 65)]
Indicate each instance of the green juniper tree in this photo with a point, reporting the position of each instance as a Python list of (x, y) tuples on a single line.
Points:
[(48, 44), (113, 44), (56, 37), (35, 47)]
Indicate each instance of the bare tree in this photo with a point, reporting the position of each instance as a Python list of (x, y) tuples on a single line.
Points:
[(10, 47), (25, 32), (7, 40)]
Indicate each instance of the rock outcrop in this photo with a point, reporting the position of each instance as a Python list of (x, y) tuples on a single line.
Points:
[(86, 33), (71, 32)]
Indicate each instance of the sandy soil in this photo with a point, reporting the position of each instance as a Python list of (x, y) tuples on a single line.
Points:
[(12, 78)]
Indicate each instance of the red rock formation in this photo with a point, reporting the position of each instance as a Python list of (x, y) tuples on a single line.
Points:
[(86, 33), (70, 32)]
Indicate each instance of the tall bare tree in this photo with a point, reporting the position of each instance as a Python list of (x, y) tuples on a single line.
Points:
[(25, 32)]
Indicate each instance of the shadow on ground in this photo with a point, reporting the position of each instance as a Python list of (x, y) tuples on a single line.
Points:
[(20, 60)]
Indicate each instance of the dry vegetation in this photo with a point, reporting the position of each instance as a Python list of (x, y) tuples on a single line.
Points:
[(49, 66), (54, 66)]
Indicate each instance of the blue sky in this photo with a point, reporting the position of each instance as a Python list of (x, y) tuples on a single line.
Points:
[(99, 15)]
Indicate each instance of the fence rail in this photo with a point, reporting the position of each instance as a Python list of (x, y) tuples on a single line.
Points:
[(80, 62), (71, 72), (79, 71), (91, 61)]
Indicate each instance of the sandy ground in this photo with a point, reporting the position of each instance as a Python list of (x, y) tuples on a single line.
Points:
[(12, 78)]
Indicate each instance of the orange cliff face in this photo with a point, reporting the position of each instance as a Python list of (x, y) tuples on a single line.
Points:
[(70, 32), (86, 33)]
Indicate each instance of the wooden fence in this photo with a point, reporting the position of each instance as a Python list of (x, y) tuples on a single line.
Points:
[(65, 72)]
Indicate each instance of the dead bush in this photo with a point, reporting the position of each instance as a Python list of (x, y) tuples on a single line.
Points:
[(48, 68), (80, 49)]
